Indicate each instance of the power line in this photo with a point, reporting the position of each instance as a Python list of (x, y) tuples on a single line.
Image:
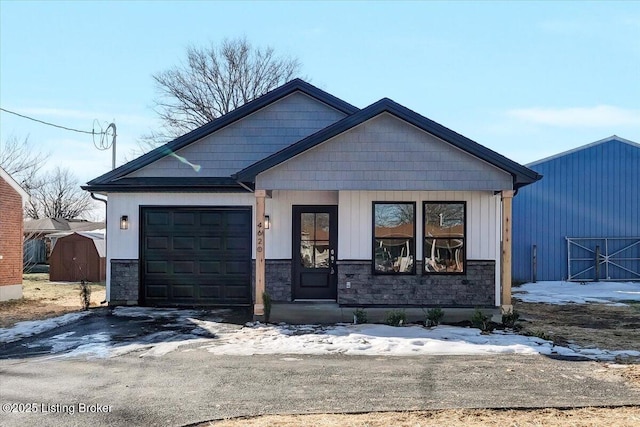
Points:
[(93, 132)]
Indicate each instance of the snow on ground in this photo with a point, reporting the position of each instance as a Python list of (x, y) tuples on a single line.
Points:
[(26, 329), (363, 340), (578, 293)]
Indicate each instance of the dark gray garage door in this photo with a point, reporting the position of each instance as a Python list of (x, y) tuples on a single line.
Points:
[(195, 256)]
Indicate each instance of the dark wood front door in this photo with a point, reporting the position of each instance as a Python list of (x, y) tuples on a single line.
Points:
[(315, 251)]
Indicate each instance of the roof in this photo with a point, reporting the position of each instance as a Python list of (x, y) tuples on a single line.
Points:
[(296, 85), (14, 184), (243, 180), (521, 175), (584, 147), (53, 225)]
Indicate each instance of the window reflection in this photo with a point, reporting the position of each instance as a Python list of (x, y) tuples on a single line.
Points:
[(394, 237), (314, 240), (444, 237)]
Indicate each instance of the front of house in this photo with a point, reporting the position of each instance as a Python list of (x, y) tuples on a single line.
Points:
[(309, 198)]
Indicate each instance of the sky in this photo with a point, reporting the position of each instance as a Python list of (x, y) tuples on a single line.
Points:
[(526, 79)]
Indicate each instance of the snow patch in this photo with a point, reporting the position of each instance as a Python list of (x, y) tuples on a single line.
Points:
[(578, 293), (26, 329)]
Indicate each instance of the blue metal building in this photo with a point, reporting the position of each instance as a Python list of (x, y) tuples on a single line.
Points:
[(586, 207)]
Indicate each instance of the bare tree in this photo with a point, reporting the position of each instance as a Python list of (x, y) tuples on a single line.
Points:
[(57, 194), (21, 160), (214, 81)]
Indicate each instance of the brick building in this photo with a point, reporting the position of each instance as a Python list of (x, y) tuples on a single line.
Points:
[(12, 199)]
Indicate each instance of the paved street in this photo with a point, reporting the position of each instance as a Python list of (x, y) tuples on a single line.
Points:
[(185, 387)]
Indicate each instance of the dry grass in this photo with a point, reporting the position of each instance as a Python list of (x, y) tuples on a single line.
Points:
[(588, 325), (42, 299), (587, 417)]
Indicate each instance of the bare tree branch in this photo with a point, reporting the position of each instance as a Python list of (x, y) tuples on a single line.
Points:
[(214, 81), (21, 160), (58, 194)]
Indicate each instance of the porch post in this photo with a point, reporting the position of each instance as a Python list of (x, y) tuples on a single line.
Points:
[(507, 198), (258, 308)]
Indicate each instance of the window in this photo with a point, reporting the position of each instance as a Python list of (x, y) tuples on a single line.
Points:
[(394, 238), (444, 237)]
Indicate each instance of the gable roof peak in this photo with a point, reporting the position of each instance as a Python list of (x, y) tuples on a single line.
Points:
[(295, 85)]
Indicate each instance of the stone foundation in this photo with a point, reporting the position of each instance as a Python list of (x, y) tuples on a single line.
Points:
[(124, 282), (476, 288), (277, 279)]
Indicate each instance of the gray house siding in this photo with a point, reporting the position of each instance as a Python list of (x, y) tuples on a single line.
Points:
[(248, 140), (590, 192), (384, 153)]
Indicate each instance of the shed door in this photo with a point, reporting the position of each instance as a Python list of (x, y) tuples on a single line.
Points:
[(195, 256)]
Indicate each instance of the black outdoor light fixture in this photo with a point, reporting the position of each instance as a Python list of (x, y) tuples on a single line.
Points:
[(267, 222), (124, 222)]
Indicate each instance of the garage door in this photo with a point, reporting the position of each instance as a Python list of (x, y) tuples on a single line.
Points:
[(195, 256)]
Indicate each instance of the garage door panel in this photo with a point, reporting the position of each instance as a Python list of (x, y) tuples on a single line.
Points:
[(161, 267), (157, 218), (184, 267), (157, 242), (184, 219), (183, 291), (211, 218), (210, 291), (184, 243), (210, 267), (210, 243), (157, 291), (196, 256)]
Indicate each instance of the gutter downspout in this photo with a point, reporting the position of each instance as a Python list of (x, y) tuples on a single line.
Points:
[(94, 197)]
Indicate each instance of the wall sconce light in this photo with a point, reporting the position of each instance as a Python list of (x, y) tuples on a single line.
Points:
[(267, 222), (124, 222)]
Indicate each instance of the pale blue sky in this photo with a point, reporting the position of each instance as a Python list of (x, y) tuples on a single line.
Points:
[(527, 79)]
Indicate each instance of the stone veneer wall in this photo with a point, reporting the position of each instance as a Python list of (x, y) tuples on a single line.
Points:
[(277, 279), (474, 289), (124, 282)]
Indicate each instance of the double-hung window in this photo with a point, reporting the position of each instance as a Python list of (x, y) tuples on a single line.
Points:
[(394, 238), (444, 249)]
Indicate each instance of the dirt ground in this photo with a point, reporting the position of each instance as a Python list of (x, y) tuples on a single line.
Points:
[(587, 417), (42, 299), (588, 325)]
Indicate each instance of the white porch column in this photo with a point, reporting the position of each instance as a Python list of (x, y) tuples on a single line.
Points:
[(258, 308), (507, 198)]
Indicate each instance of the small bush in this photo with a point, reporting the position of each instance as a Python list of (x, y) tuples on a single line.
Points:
[(395, 318), (481, 321), (360, 316), (266, 301), (510, 318), (434, 317), (85, 294)]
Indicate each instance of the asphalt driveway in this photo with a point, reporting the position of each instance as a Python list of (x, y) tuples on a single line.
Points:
[(38, 387)]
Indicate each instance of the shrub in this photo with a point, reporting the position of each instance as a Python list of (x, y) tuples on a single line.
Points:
[(510, 318), (266, 301), (395, 318), (434, 317), (85, 294), (360, 316), (481, 321)]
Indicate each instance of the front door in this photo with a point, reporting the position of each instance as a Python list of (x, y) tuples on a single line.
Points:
[(315, 251)]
